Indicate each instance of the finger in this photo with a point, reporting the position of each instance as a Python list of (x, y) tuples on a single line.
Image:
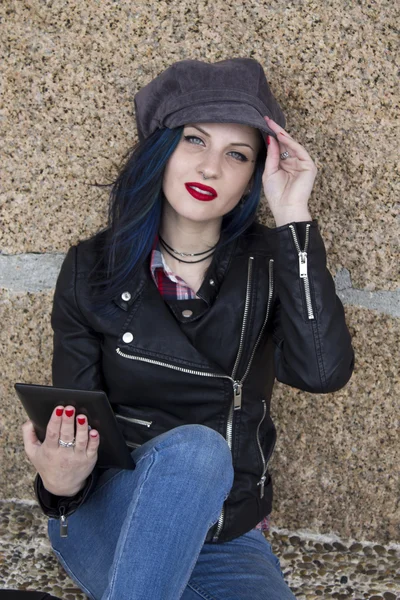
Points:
[(286, 142), (295, 149), (30, 438), (275, 127), (276, 144), (81, 436), (53, 428), (273, 162), (93, 445), (67, 430)]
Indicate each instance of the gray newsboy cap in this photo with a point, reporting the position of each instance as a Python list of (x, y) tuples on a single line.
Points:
[(192, 91)]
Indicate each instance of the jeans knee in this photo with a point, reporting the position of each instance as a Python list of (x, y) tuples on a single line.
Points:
[(204, 452)]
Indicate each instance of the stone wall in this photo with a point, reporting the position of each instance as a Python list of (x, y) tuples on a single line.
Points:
[(69, 74)]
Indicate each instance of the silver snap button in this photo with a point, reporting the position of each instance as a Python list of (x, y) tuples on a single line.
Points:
[(127, 337), (212, 282), (126, 296), (187, 313)]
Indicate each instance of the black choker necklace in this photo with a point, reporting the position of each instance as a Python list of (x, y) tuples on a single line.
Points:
[(185, 253), (186, 261)]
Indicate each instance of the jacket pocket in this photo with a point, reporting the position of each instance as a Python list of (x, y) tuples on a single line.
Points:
[(133, 420), (136, 427), (140, 422)]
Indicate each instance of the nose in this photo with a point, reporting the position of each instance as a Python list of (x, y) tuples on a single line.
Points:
[(210, 165)]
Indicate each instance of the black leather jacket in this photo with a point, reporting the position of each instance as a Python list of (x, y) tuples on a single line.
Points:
[(268, 309)]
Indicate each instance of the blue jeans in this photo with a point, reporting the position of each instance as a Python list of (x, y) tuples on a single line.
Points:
[(140, 535)]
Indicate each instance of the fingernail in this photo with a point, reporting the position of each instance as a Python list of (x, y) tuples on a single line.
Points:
[(93, 433), (282, 133), (81, 420), (69, 412), (268, 142), (59, 412)]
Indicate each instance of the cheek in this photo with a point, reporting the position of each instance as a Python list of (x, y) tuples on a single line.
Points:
[(167, 172), (174, 171)]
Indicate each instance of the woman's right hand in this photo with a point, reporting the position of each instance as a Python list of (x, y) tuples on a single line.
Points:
[(63, 470)]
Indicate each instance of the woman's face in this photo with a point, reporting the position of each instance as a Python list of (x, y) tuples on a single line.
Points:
[(226, 152)]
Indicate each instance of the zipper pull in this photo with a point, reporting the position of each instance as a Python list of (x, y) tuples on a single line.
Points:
[(303, 264), (237, 395), (63, 523), (262, 484)]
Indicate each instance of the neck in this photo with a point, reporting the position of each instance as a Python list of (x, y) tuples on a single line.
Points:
[(188, 236)]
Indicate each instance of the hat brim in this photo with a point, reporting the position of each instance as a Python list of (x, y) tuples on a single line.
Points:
[(219, 112)]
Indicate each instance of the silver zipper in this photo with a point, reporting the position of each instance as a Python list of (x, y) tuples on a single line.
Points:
[(229, 427), (263, 476), (132, 420), (237, 385), (229, 430), (245, 313), (63, 523), (237, 401), (303, 271), (270, 294), (133, 445)]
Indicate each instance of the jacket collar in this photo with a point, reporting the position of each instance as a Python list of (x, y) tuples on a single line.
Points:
[(208, 291)]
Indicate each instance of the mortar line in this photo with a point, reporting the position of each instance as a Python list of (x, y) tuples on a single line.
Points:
[(37, 272)]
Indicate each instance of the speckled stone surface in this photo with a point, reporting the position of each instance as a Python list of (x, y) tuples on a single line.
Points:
[(342, 569), (335, 466), (25, 352), (70, 71)]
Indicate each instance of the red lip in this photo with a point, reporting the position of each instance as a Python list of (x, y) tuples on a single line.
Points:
[(201, 186)]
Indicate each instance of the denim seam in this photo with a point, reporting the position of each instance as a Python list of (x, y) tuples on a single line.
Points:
[(71, 574), (221, 502), (159, 447), (195, 588), (100, 487), (112, 579)]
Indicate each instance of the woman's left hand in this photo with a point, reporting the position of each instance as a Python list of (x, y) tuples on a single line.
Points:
[(287, 183)]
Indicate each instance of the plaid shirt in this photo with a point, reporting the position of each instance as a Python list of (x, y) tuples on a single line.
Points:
[(172, 287)]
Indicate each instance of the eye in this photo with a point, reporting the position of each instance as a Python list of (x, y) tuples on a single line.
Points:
[(241, 158), (191, 137)]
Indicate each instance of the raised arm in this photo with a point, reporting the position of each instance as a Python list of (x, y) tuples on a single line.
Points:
[(313, 350)]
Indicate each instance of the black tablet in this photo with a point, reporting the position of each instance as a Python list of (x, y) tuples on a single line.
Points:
[(39, 402)]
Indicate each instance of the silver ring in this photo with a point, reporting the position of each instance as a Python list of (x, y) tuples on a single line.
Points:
[(284, 155), (66, 444)]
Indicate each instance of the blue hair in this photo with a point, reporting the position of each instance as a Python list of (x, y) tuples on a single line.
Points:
[(134, 214)]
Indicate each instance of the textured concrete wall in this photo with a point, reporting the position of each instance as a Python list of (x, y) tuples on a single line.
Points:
[(69, 74)]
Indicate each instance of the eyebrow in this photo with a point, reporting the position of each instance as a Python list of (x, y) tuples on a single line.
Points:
[(208, 135)]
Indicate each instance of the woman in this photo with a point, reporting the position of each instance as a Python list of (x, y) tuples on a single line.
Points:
[(184, 310)]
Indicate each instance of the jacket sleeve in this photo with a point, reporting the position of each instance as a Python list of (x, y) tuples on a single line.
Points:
[(75, 365), (313, 350)]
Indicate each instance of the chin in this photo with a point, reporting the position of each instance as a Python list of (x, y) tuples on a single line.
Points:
[(193, 211)]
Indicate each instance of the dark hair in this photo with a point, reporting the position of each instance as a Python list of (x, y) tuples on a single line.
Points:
[(134, 213)]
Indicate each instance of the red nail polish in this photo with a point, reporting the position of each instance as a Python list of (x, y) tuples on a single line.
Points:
[(59, 412), (81, 420), (268, 141), (69, 412)]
